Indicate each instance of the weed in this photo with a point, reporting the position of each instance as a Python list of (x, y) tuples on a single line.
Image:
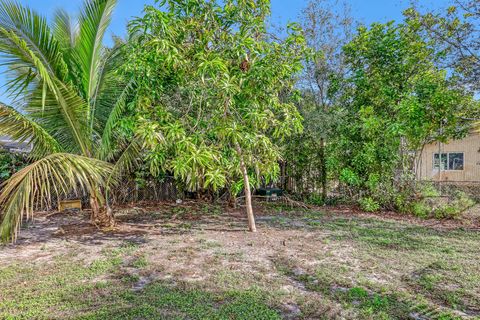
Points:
[(213, 210), (315, 199), (368, 204), (313, 214), (140, 262)]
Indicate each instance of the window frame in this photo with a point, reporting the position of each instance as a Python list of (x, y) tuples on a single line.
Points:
[(448, 161)]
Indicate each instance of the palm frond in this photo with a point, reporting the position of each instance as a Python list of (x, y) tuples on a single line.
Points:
[(113, 116), (24, 130), (18, 80), (58, 174), (20, 59), (94, 20), (34, 31), (74, 110), (63, 116), (110, 83), (129, 160), (71, 105), (64, 29)]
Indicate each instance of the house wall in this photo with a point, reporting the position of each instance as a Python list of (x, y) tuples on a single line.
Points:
[(470, 146), (15, 146)]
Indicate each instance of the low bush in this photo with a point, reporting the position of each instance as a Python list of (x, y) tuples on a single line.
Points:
[(315, 199), (368, 204), (430, 204), (426, 201), (421, 209), (428, 190), (454, 208)]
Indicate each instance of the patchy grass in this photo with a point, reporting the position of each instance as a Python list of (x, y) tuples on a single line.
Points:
[(364, 302), (183, 262), (158, 301), (64, 288)]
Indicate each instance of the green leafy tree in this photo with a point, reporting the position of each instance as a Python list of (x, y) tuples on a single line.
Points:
[(328, 26), (212, 86), (398, 99), (67, 100)]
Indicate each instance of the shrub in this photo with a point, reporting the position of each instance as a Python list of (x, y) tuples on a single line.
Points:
[(368, 204), (463, 200), (428, 190), (401, 204), (421, 209), (454, 208), (315, 199), (446, 211), (349, 177)]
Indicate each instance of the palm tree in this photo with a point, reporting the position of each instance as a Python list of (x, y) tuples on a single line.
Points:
[(68, 97)]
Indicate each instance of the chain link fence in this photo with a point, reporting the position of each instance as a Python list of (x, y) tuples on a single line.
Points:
[(126, 192)]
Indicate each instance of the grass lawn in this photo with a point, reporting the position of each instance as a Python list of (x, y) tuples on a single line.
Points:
[(195, 261)]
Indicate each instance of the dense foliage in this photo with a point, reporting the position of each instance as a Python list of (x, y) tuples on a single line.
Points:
[(214, 90), (397, 101), (327, 29), (371, 105), (10, 163)]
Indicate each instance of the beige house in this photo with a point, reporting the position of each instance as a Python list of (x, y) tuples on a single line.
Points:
[(454, 161)]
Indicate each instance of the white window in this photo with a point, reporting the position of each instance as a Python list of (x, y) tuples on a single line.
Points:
[(448, 161)]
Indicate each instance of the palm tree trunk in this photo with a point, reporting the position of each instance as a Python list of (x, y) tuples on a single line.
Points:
[(102, 215), (248, 194)]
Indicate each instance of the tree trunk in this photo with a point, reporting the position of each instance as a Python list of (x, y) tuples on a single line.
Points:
[(283, 181), (102, 215), (323, 170), (248, 195), (232, 200)]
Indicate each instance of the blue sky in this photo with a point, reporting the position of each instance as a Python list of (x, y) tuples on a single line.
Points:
[(366, 11), (283, 11)]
